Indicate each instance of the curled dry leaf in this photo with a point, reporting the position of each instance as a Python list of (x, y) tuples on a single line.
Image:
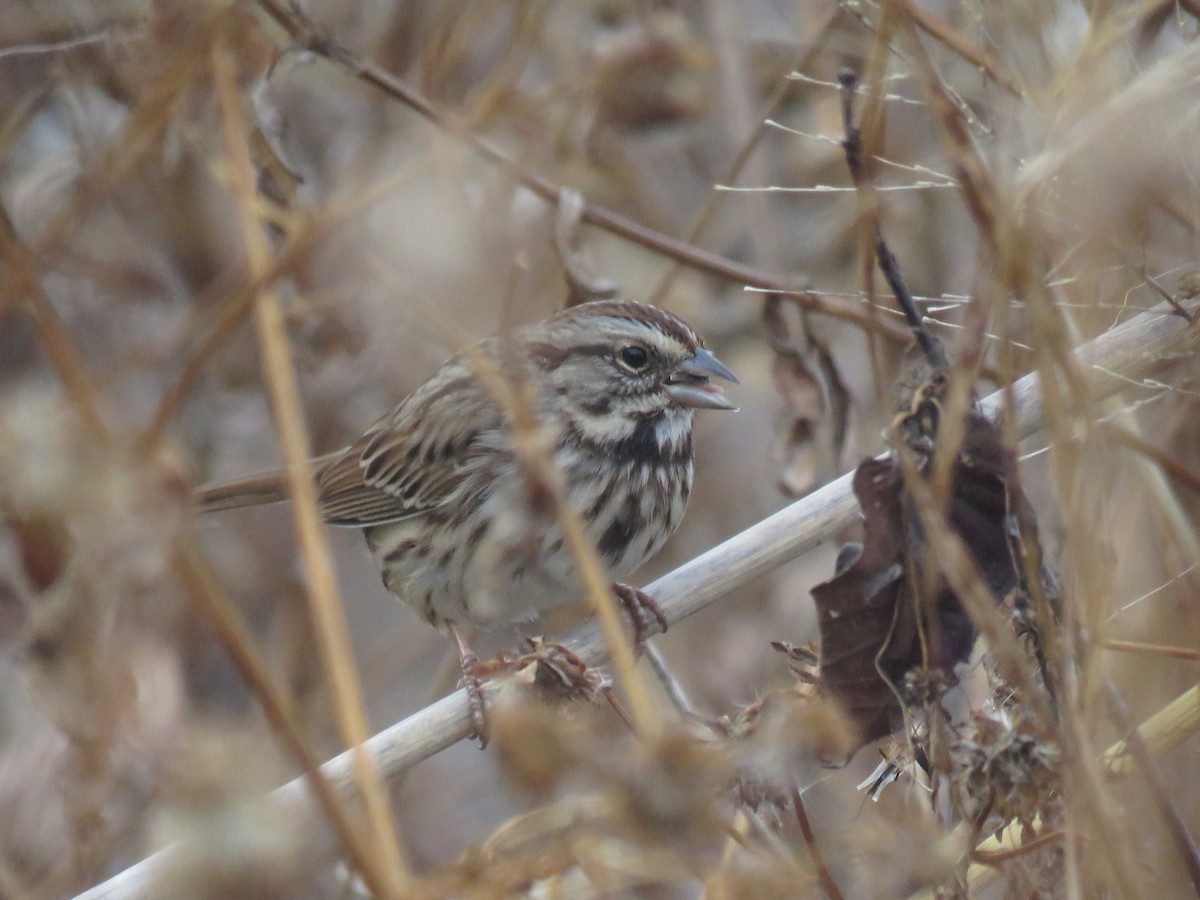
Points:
[(803, 406), (876, 619), (812, 421)]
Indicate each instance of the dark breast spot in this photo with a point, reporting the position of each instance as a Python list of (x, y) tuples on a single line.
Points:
[(621, 531), (598, 407), (601, 501), (401, 550), (641, 446)]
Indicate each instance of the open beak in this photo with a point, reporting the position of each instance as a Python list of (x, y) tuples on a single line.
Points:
[(689, 384)]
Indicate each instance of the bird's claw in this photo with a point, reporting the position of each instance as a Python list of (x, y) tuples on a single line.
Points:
[(473, 675), (641, 610)]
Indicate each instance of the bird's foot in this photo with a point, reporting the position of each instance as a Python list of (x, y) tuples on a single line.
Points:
[(641, 610), (474, 675)]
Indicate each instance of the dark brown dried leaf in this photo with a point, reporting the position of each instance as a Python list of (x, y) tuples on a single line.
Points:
[(871, 631)]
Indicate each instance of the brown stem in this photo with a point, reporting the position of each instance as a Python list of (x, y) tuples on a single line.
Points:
[(325, 601), (235, 637), (828, 885)]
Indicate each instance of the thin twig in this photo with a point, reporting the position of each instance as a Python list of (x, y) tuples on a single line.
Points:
[(235, 636), (941, 31), (935, 354), (742, 158), (72, 370), (1140, 347), (668, 682), (1167, 728), (1175, 723), (1181, 472), (1166, 295), (994, 858), (56, 341), (137, 137), (111, 34), (237, 304), (1152, 649)]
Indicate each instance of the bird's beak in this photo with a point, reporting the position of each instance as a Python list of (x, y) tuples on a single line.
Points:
[(688, 385)]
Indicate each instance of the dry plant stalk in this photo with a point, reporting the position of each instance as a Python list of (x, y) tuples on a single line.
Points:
[(324, 597)]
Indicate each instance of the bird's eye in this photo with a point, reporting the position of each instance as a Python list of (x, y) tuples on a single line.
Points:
[(634, 358)]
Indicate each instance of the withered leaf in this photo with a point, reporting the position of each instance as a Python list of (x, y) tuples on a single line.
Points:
[(811, 427), (857, 610), (870, 625)]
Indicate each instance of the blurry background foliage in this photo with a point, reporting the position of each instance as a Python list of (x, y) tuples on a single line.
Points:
[(123, 723)]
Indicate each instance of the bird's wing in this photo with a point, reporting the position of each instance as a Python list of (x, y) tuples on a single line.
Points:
[(414, 459)]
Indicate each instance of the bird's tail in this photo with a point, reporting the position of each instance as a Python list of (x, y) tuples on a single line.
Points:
[(250, 490), (253, 490)]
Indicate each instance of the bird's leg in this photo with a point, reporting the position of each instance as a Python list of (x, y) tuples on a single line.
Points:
[(639, 607), (472, 673)]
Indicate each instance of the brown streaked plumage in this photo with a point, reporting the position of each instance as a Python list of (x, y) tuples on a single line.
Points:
[(444, 505)]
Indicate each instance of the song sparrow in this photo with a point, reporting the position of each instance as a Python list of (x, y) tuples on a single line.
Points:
[(438, 491)]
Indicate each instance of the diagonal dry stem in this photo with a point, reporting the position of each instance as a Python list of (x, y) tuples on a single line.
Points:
[(139, 136), (326, 606), (239, 644), (72, 370), (301, 238)]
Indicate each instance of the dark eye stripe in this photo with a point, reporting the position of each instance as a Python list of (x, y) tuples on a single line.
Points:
[(550, 356)]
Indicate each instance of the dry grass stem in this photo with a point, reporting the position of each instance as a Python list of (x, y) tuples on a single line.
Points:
[(324, 596), (240, 644)]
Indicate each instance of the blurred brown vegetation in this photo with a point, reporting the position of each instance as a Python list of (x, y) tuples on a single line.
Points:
[(123, 723)]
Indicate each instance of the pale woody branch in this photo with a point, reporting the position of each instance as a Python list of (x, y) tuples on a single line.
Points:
[(1144, 346)]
